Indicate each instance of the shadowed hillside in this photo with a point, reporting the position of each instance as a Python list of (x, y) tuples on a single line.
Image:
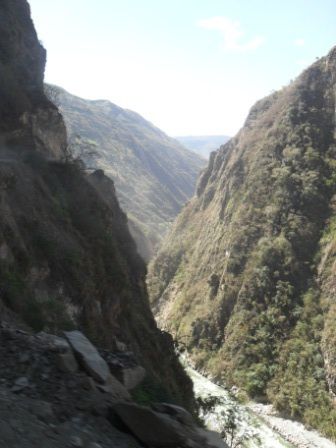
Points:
[(154, 175), (67, 259)]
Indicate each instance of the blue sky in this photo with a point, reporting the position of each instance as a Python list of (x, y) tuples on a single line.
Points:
[(192, 67)]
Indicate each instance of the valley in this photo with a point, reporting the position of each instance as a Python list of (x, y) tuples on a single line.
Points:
[(255, 425), (122, 247), (245, 279), (154, 174)]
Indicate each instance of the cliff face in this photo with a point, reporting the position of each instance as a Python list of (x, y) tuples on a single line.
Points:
[(246, 277), (25, 113), (67, 259), (154, 175)]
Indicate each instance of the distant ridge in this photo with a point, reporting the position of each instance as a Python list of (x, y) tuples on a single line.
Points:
[(203, 145)]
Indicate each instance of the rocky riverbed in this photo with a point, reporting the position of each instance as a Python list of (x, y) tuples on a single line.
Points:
[(257, 425)]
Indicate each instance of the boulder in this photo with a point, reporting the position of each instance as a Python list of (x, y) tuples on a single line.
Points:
[(151, 428), (162, 430), (176, 412), (88, 356), (54, 343), (212, 439)]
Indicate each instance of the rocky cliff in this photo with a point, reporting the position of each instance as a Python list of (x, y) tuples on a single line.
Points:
[(154, 175), (67, 259), (246, 278)]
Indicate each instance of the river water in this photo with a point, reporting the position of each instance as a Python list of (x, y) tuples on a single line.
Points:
[(257, 424)]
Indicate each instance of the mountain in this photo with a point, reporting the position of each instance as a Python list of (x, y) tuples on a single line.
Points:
[(246, 278), (67, 260), (203, 145), (154, 174)]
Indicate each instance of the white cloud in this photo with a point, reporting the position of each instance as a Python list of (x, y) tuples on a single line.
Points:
[(299, 42), (232, 34)]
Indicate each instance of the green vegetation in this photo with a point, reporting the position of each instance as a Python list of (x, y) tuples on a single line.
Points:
[(299, 387), (263, 224), (151, 391)]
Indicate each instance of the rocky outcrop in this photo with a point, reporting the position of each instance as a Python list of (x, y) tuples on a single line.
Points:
[(28, 120), (88, 356), (57, 407), (154, 175), (67, 260), (246, 277), (165, 426)]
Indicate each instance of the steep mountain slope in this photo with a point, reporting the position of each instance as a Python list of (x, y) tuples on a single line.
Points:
[(67, 259), (203, 144), (154, 175), (246, 277)]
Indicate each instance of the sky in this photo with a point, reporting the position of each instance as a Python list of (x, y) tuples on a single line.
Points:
[(191, 67)]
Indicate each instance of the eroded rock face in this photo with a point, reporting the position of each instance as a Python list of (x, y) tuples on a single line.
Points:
[(27, 118), (67, 258)]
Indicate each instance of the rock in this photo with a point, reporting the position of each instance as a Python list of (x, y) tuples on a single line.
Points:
[(133, 376), (6, 253), (76, 442), (88, 384), (176, 412), (161, 430), (151, 428), (24, 358), (88, 356), (121, 346), (67, 362), (43, 411), (115, 389), (20, 384), (55, 343), (213, 439)]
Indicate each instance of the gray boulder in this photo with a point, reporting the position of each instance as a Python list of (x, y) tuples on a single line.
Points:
[(88, 356), (162, 430), (176, 412)]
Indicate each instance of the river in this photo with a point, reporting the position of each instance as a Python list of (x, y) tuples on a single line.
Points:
[(258, 425)]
